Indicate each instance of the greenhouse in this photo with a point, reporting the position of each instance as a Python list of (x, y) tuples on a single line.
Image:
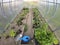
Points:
[(29, 22)]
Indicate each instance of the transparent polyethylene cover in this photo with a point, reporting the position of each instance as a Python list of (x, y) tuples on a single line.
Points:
[(8, 11)]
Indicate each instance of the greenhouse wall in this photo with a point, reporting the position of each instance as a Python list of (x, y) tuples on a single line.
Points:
[(8, 11)]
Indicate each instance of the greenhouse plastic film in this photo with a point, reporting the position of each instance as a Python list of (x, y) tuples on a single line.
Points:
[(8, 11)]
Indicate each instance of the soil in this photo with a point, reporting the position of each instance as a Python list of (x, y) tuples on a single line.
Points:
[(29, 18), (30, 31)]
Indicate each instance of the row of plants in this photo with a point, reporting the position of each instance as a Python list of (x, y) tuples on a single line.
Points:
[(19, 22), (36, 22), (22, 16), (12, 32), (43, 34)]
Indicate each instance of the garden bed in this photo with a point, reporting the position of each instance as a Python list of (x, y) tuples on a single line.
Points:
[(43, 35)]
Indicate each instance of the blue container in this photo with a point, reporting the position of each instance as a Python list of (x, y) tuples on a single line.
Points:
[(25, 38)]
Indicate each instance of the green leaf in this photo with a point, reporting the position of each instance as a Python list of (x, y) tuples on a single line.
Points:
[(55, 41), (12, 33)]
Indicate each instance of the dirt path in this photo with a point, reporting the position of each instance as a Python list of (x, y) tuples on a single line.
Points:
[(30, 31), (29, 19)]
